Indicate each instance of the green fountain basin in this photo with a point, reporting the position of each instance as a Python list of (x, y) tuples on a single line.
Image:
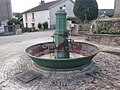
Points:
[(36, 52)]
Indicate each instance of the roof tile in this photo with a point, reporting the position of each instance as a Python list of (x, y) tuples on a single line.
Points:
[(42, 7)]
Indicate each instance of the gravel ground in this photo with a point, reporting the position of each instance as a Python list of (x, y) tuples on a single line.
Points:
[(102, 74)]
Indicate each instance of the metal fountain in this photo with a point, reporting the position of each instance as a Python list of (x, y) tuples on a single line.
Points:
[(60, 54)]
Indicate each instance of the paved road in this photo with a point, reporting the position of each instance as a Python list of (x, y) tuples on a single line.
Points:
[(25, 37), (103, 74)]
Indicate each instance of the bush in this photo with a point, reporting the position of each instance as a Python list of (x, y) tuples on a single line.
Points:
[(110, 31), (104, 32), (71, 18), (13, 21), (39, 25), (94, 31), (107, 31), (45, 25), (111, 14), (26, 30)]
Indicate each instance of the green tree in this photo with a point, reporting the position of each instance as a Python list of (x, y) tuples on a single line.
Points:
[(86, 9), (13, 21), (45, 25), (39, 25)]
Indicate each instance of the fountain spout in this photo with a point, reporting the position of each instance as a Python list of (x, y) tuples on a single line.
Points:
[(61, 35)]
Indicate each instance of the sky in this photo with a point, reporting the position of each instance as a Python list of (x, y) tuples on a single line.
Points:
[(23, 5)]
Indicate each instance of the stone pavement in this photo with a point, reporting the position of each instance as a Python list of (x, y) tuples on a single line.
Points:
[(102, 74)]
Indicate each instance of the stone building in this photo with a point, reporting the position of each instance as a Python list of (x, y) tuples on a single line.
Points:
[(117, 8), (5, 10)]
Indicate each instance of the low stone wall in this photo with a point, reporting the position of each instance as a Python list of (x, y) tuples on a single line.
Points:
[(106, 26), (19, 31), (81, 29), (11, 30), (104, 39)]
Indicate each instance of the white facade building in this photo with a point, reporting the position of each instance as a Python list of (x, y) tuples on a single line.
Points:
[(46, 12)]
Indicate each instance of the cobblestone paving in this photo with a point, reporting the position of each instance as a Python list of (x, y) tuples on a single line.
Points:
[(102, 74)]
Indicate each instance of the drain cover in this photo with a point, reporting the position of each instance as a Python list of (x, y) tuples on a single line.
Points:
[(28, 76)]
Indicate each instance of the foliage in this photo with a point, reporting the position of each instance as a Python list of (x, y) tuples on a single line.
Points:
[(39, 25), (13, 21), (26, 30), (99, 30), (110, 14), (18, 15), (45, 25), (86, 9), (104, 32), (71, 18)]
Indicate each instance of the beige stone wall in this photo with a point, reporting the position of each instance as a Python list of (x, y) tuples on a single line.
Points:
[(117, 8), (104, 39), (5, 10)]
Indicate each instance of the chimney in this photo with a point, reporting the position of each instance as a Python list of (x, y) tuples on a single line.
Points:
[(42, 2)]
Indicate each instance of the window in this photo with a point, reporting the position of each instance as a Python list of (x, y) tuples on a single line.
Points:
[(26, 16), (0, 23), (33, 16), (26, 25)]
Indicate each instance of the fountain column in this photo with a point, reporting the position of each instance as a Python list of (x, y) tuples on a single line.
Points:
[(61, 36)]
